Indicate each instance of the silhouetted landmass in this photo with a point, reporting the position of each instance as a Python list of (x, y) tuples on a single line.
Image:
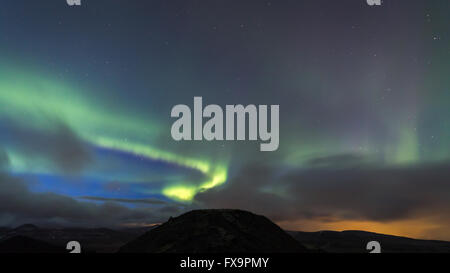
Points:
[(22, 244), (207, 231), (91, 239), (356, 241), (215, 231)]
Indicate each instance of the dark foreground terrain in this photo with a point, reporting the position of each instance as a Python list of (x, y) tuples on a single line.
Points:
[(354, 241), (36, 239), (216, 231), (206, 231)]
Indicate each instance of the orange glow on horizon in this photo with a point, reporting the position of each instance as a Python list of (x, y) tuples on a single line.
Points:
[(417, 229)]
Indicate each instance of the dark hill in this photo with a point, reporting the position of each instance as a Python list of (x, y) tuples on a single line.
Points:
[(26, 228), (356, 241), (215, 231), (22, 244), (91, 239)]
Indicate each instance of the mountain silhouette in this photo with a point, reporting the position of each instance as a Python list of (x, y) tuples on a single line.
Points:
[(22, 244), (207, 231), (355, 241), (91, 239), (26, 228), (215, 231)]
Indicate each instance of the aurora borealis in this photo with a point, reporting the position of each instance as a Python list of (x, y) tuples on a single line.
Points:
[(37, 111), (364, 95)]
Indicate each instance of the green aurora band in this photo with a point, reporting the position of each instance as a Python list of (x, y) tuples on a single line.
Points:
[(32, 100)]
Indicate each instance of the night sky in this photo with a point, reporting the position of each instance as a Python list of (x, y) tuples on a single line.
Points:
[(364, 94)]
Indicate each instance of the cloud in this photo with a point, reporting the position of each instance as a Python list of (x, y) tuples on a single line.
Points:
[(18, 205), (249, 190), (54, 141), (373, 193), (125, 200), (340, 160)]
